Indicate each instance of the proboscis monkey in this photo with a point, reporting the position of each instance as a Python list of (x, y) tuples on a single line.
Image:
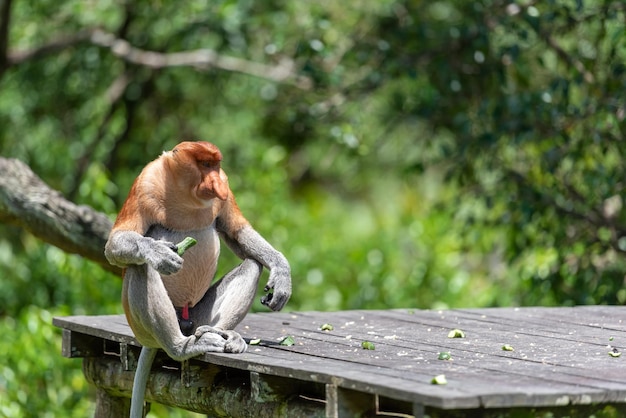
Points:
[(185, 193)]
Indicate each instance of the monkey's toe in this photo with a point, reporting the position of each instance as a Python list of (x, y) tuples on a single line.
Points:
[(203, 329), (235, 343)]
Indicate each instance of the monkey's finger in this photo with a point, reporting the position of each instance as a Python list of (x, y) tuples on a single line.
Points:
[(280, 298), (203, 329), (265, 300), (278, 303)]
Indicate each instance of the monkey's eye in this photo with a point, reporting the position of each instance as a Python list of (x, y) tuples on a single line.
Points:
[(207, 164)]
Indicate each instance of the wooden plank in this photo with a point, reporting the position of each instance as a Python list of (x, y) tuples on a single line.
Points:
[(296, 365), (487, 342), (353, 376), (490, 335), (590, 351), (560, 354), (108, 327), (593, 316), (586, 394), (532, 372), (551, 321), (76, 344), (465, 385)]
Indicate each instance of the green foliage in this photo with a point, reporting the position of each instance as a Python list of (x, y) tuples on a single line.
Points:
[(29, 374), (448, 154)]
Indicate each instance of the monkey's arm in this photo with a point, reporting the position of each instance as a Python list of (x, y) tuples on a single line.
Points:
[(247, 243), (126, 248)]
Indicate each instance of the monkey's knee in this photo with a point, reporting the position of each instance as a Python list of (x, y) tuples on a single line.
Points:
[(248, 268)]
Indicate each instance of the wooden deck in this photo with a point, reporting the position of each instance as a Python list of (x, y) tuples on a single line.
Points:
[(560, 362)]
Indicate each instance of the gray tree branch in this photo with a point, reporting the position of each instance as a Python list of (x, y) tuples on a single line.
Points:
[(202, 59), (26, 201)]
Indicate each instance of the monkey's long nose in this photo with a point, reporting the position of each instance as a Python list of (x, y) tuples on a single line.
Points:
[(219, 187)]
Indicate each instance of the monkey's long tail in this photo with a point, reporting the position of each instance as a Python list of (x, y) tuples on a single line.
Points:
[(141, 380)]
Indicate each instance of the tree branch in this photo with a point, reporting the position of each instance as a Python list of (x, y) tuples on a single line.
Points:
[(201, 59), (26, 201), (52, 47)]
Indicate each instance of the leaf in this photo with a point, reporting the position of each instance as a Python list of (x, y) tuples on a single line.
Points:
[(287, 341), (456, 333), (507, 347), (256, 341), (327, 327), (366, 345), (440, 379), (444, 355)]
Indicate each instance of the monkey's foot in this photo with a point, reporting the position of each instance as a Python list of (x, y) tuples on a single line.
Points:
[(233, 342)]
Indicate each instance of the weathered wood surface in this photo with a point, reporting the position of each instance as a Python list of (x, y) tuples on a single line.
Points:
[(560, 355)]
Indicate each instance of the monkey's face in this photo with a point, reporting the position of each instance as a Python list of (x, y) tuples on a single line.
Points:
[(198, 167)]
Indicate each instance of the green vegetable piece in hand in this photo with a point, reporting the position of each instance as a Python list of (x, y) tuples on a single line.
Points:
[(440, 379), (366, 345), (184, 245), (288, 341), (456, 333)]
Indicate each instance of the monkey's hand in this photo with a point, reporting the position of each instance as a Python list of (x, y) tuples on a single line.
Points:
[(125, 248), (279, 288), (160, 255), (248, 243)]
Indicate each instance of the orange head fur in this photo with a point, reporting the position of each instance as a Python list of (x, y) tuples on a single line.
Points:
[(176, 189), (197, 164)]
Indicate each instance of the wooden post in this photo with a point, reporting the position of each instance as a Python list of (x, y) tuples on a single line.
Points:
[(108, 406), (346, 403)]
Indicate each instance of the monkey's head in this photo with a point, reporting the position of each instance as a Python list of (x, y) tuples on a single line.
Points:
[(197, 166)]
